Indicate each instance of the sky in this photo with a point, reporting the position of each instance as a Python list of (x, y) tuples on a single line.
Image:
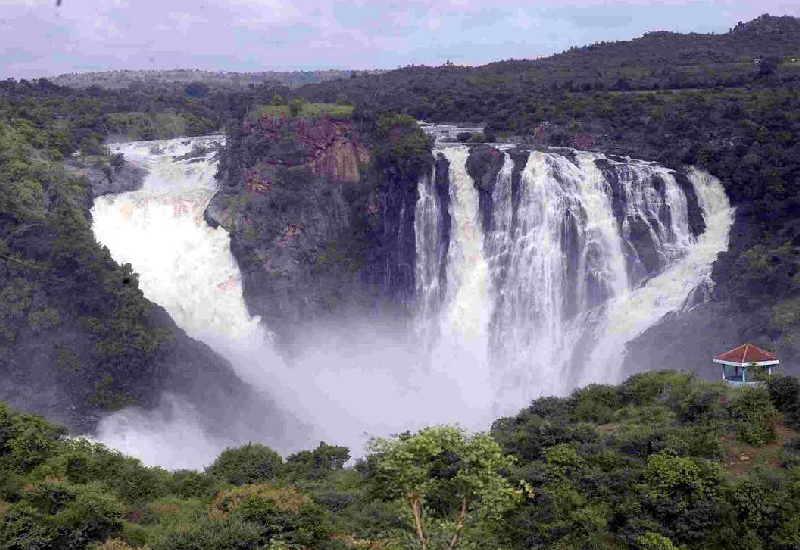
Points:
[(38, 38)]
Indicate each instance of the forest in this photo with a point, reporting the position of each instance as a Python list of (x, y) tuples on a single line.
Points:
[(662, 461)]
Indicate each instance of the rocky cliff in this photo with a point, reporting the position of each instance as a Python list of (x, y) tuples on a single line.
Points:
[(321, 213)]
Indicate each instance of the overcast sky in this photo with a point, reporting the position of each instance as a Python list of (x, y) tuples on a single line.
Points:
[(39, 39)]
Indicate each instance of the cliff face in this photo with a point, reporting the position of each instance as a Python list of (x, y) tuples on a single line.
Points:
[(319, 225)]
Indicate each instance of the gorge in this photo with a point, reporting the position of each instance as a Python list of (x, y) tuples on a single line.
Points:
[(533, 269)]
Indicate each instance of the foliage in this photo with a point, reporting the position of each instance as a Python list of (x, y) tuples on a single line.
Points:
[(442, 472), (641, 465), (754, 413), (250, 463), (402, 146), (317, 463)]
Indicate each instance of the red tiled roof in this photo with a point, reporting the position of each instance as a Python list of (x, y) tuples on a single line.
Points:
[(747, 353)]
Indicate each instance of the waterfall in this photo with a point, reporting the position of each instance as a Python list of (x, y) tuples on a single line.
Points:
[(582, 254), (187, 267), (462, 351), (160, 230), (529, 286), (349, 382)]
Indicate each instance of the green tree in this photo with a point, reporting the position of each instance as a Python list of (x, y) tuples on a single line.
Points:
[(296, 107), (250, 463), (443, 463)]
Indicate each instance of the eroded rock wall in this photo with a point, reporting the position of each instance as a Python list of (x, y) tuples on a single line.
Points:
[(318, 228)]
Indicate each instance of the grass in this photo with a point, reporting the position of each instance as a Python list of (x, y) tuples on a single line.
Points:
[(308, 111)]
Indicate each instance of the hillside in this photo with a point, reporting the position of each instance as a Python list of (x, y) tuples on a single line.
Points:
[(662, 461)]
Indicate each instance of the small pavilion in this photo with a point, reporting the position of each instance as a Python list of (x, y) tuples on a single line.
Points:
[(736, 362)]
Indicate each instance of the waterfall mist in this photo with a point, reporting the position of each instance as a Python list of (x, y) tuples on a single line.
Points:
[(542, 299)]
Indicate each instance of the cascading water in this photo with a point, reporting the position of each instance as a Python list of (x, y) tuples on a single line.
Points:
[(583, 254), (162, 226), (374, 385), (185, 266), (580, 254), (461, 349)]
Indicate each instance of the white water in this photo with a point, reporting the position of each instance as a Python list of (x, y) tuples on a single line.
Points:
[(350, 382), (462, 349), (497, 333), (185, 266), (635, 311), (197, 279), (559, 299)]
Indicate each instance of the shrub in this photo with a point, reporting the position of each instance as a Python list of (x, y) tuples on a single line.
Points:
[(315, 464), (784, 392), (655, 541), (212, 534), (60, 515), (250, 463), (754, 414), (282, 512), (188, 483), (114, 544), (83, 461), (287, 498), (295, 107), (596, 403), (26, 440)]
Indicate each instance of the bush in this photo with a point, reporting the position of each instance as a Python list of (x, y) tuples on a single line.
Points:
[(188, 484), (784, 392), (211, 534), (596, 403), (60, 515), (250, 463), (26, 440), (754, 414), (296, 107), (282, 512), (315, 464)]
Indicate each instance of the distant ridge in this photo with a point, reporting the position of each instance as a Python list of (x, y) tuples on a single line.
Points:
[(769, 24), (230, 80)]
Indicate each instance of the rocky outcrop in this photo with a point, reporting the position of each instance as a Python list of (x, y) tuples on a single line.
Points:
[(483, 165), (697, 223), (319, 228), (104, 179), (326, 147)]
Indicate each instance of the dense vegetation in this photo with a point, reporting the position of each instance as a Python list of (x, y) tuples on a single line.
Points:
[(662, 461), (59, 286)]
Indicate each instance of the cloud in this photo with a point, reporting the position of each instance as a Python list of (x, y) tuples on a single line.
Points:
[(306, 34)]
